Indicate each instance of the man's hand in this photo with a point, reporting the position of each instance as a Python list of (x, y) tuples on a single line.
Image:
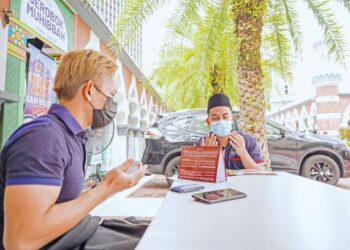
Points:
[(238, 143), (117, 180), (210, 140), (35, 219)]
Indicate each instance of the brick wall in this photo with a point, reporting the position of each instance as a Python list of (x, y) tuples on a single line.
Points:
[(127, 79), (106, 51), (81, 34), (139, 89), (327, 91)]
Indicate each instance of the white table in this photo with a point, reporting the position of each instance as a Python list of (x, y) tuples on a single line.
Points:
[(282, 212)]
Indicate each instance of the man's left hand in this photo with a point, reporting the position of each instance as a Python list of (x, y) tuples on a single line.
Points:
[(238, 143)]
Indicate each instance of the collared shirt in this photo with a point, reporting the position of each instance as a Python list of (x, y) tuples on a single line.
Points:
[(49, 150), (232, 159)]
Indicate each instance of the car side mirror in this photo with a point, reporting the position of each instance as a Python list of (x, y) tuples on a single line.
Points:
[(283, 133)]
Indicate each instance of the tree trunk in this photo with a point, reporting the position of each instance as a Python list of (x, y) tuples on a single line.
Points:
[(217, 84), (248, 16)]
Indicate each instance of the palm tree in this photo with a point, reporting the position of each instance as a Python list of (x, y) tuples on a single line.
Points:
[(247, 19), (181, 69), (194, 75)]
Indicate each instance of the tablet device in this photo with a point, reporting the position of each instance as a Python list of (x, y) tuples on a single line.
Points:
[(219, 195)]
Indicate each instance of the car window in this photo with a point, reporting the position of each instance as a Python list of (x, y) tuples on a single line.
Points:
[(237, 118), (183, 122), (176, 125), (200, 124), (272, 131)]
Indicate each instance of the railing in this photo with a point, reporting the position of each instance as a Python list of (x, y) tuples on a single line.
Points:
[(107, 10)]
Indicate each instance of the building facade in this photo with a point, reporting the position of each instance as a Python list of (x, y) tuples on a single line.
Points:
[(51, 28), (110, 10), (326, 112)]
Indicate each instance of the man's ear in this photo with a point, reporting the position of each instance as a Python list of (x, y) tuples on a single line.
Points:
[(87, 90), (208, 122)]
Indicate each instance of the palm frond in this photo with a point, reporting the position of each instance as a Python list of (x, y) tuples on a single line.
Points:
[(187, 69), (130, 19), (293, 23), (186, 15), (332, 30), (345, 3), (276, 44), (209, 34)]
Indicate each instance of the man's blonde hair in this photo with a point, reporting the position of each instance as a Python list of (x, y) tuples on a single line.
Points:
[(79, 66)]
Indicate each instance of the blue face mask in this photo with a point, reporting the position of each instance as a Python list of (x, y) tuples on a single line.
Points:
[(221, 128)]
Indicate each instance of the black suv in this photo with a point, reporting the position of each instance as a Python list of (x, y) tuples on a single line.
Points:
[(314, 156)]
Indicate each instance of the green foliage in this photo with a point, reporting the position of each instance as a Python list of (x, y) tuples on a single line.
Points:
[(276, 44), (133, 13), (345, 3), (332, 30), (291, 17), (186, 16), (184, 72), (345, 135), (202, 38)]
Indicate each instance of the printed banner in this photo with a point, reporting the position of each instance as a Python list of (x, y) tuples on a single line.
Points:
[(39, 90), (45, 17)]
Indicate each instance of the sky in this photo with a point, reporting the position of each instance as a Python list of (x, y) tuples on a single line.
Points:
[(154, 34)]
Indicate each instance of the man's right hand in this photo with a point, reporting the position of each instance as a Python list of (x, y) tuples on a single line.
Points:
[(118, 180), (210, 140)]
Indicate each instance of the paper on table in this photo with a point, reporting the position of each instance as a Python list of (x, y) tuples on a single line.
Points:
[(249, 172)]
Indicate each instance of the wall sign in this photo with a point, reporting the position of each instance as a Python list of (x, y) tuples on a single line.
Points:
[(44, 17)]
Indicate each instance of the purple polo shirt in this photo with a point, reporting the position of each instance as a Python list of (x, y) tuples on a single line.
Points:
[(232, 159), (47, 151)]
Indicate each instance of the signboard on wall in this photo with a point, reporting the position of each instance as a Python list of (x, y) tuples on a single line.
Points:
[(39, 89), (44, 17)]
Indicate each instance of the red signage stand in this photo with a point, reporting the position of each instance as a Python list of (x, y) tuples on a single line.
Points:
[(202, 164)]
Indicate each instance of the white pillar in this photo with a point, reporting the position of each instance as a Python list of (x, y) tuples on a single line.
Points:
[(118, 152), (131, 146), (142, 144), (136, 147)]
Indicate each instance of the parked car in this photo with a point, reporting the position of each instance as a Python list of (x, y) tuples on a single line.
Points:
[(317, 157)]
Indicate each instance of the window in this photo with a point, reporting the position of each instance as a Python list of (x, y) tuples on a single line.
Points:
[(272, 131), (200, 124), (183, 122), (176, 125)]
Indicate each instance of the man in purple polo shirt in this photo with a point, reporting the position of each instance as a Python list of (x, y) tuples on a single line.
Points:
[(42, 164), (240, 150)]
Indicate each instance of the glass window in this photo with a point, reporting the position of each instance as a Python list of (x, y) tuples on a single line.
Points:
[(176, 125), (200, 124), (272, 131), (183, 122)]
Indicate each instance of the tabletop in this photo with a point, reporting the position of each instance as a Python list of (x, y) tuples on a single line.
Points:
[(282, 211)]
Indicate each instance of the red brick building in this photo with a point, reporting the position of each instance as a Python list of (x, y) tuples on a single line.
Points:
[(324, 113)]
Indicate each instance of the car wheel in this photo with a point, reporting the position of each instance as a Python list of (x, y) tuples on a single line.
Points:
[(321, 168), (171, 169)]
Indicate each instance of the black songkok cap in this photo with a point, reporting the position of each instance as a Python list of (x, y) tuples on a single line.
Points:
[(218, 100)]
